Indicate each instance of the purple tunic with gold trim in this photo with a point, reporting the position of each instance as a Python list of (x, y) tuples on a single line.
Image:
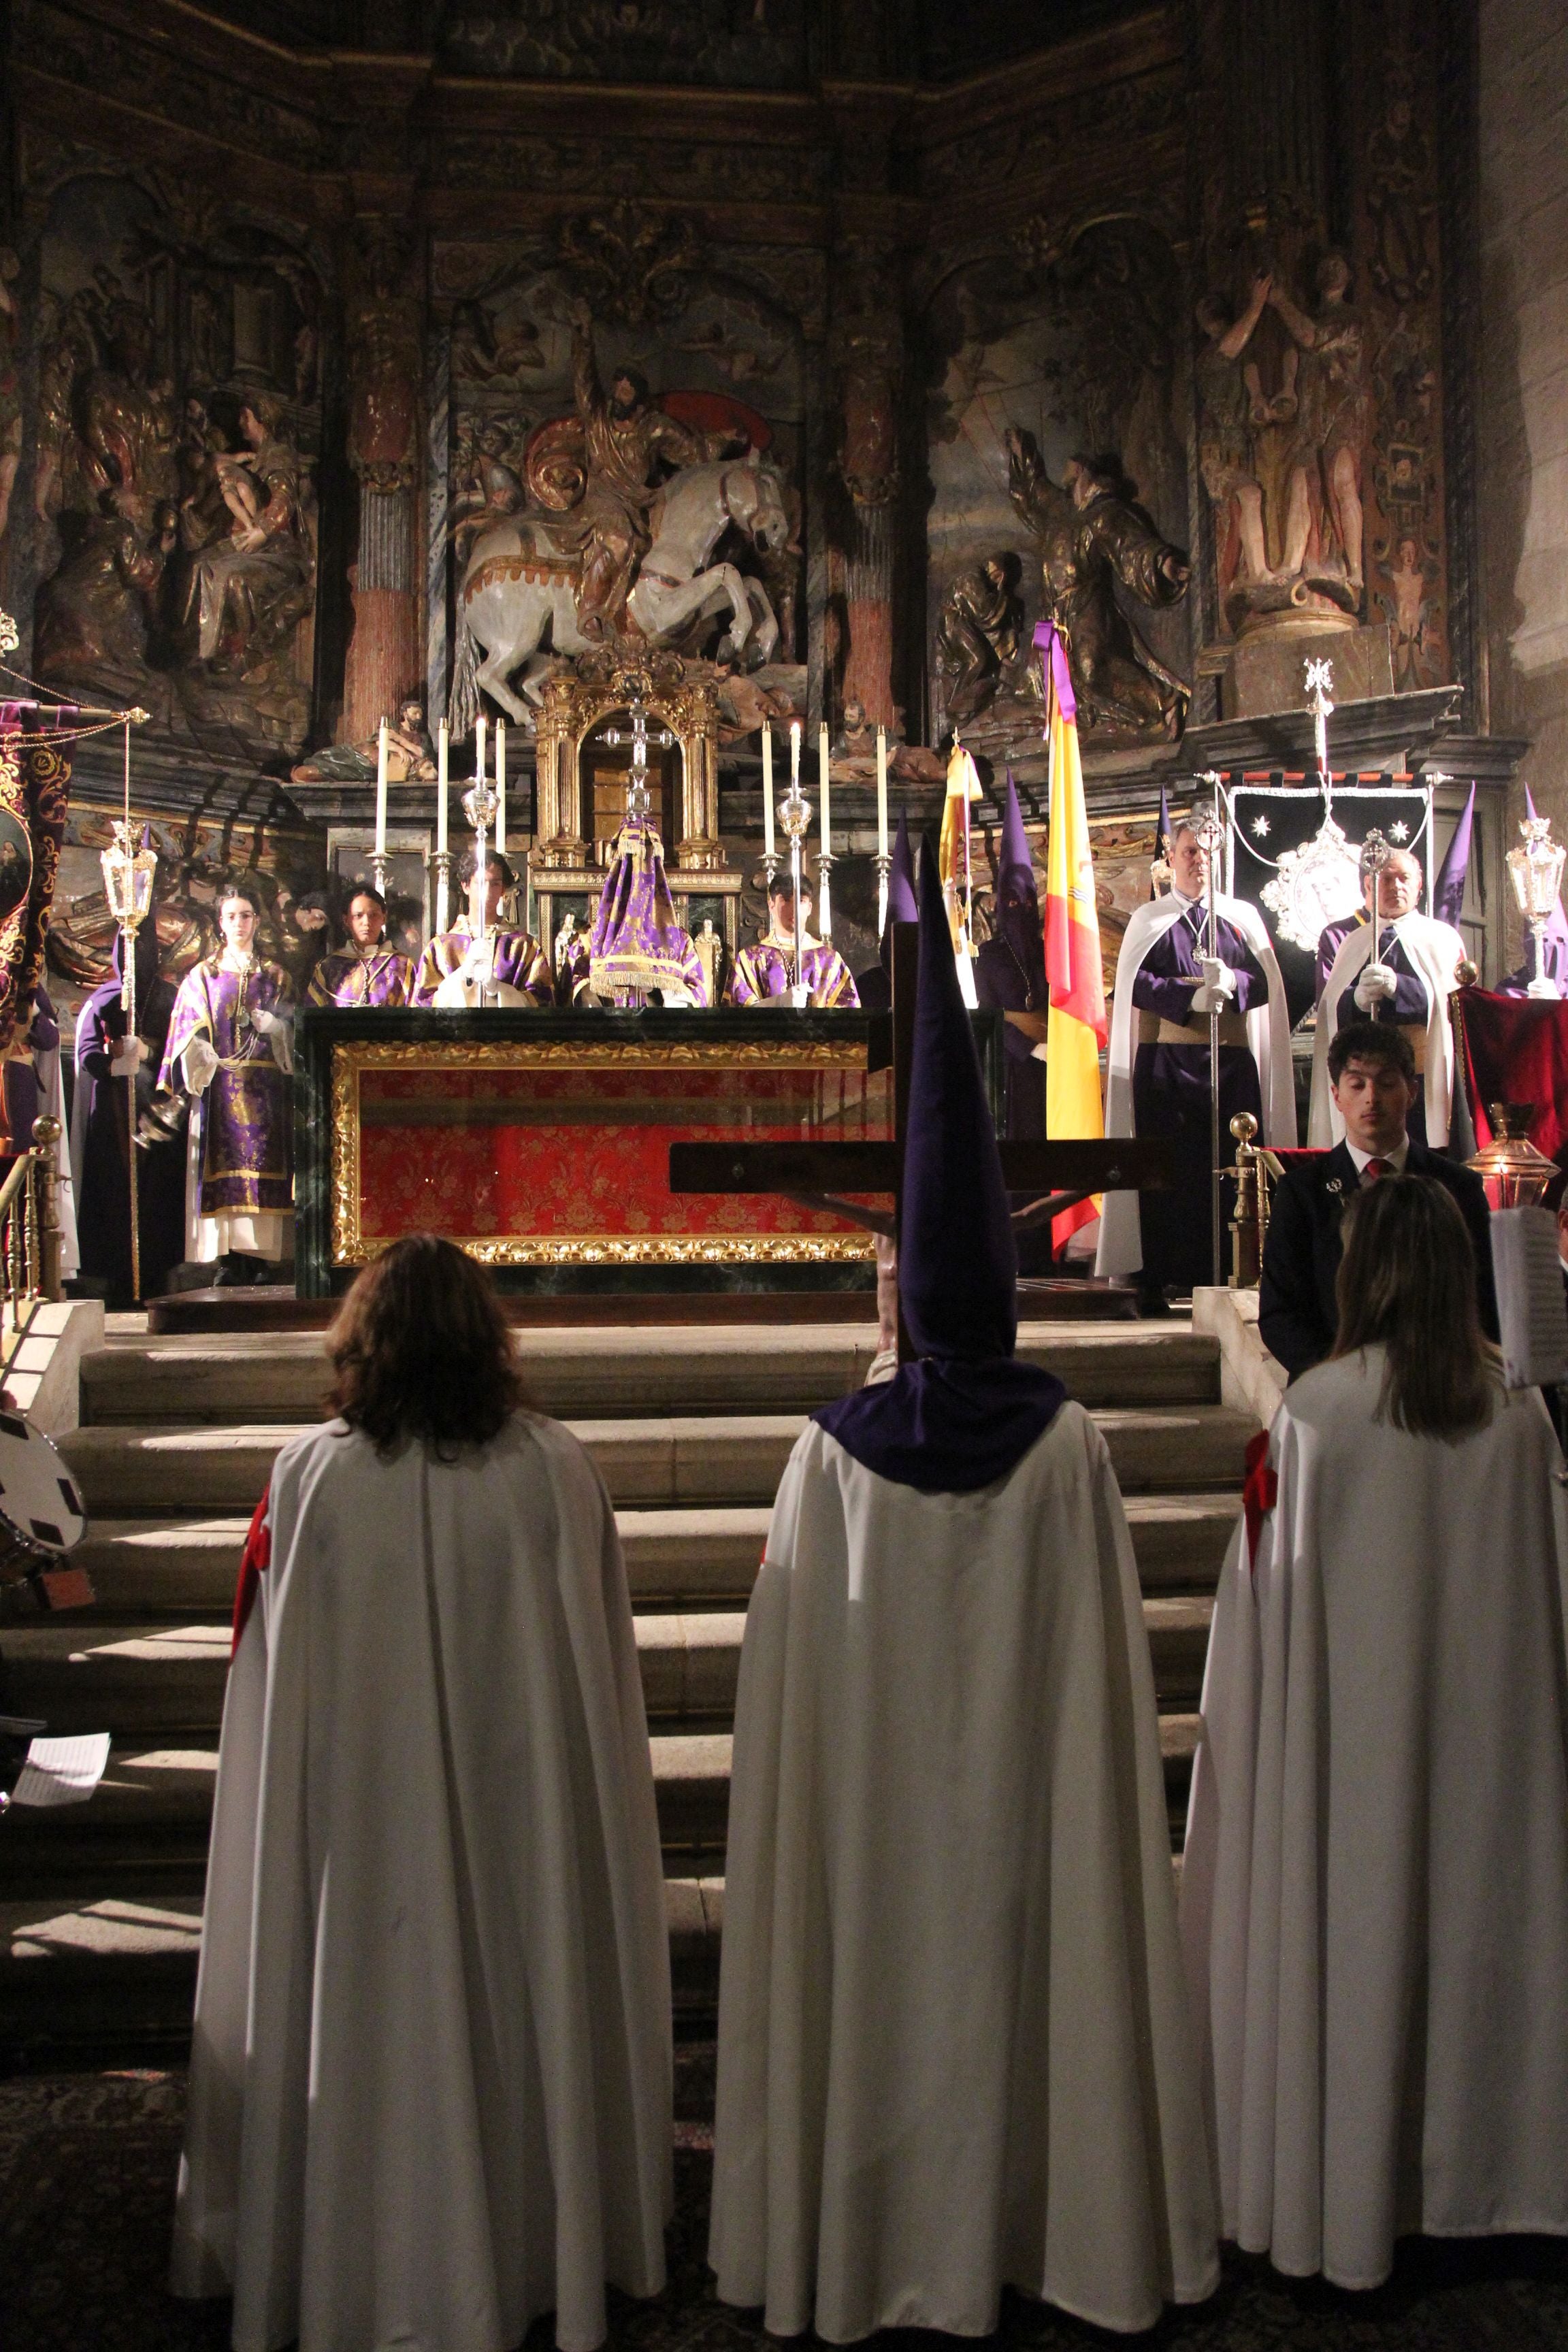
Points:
[(762, 973), (247, 1113), (520, 962), (348, 977)]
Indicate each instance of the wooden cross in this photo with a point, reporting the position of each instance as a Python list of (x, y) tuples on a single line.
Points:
[(1059, 1175)]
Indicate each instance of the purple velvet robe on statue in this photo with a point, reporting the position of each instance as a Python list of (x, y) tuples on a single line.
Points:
[(1171, 1093), (347, 977), (247, 1113)]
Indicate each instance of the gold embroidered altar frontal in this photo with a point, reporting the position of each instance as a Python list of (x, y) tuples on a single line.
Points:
[(557, 1152)]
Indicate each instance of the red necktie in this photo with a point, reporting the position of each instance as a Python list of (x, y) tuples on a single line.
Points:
[(1376, 1168)]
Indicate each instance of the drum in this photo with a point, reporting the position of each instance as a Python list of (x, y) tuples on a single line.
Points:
[(42, 1519)]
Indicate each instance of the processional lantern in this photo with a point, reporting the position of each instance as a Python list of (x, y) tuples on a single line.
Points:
[(128, 870), (1535, 869), (1515, 1172)]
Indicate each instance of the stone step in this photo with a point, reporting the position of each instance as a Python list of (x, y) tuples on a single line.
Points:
[(118, 1970), (651, 1463), (763, 1368), (156, 1567), (144, 1834), (141, 1681)]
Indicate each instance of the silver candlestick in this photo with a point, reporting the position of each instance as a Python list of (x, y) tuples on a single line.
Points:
[(794, 815), (883, 862)]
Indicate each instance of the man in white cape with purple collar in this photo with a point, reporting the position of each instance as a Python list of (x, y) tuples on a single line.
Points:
[(1408, 981), (953, 2048), (1157, 1080)]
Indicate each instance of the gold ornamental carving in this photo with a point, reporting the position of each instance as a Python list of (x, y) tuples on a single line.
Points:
[(351, 1247)]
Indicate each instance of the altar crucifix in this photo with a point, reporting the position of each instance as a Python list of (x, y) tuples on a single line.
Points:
[(1058, 1175), (639, 800)]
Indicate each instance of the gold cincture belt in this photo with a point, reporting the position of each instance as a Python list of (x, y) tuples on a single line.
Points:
[(1153, 1031)]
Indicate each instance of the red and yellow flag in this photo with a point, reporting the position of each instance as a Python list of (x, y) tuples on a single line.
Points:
[(1074, 1105)]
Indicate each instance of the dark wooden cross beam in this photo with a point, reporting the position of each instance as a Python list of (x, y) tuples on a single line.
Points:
[(1058, 1175)]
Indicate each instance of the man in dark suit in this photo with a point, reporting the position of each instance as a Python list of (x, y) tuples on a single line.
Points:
[(1372, 1071)]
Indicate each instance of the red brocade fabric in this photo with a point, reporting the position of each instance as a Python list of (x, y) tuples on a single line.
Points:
[(1516, 1051)]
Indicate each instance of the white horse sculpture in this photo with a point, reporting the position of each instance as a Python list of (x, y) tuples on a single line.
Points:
[(518, 579)]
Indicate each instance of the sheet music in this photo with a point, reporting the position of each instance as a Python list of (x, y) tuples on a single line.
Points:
[(1532, 1313), (62, 1771)]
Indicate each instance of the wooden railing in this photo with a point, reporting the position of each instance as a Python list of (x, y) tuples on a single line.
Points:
[(30, 1238)]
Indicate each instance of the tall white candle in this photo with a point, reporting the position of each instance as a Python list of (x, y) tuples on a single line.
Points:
[(767, 791), (822, 781), (795, 750), (443, 754), (881, 792), (501, 785), (479, 751), (381, 791)]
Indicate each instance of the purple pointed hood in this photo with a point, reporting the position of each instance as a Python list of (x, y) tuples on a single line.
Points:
[(1019, 898), (962, 1415), (902, 905), (1448, 889)]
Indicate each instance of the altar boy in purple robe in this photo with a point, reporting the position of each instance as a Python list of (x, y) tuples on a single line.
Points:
[(762, 973), (365, 970), (230, 1049), (505, 959)]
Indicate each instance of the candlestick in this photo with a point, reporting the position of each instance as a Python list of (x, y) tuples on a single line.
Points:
[(501, 786), (881, 792), (884, 865), (443, 754), (769, 851), (381, 793), (822, 778), (825, 864)]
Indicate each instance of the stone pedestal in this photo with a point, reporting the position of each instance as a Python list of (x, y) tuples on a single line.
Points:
[(1266, 673)]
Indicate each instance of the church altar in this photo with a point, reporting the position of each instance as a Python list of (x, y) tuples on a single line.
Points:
[(540, 1141)]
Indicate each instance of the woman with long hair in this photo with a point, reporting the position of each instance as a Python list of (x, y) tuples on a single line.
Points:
[(1374, 1899), (430, 2079)]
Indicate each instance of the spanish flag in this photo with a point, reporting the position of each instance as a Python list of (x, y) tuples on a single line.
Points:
[(1073, 972), (953, 862)]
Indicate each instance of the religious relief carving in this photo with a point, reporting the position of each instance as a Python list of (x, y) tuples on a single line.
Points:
[(173, 487), (1093, 537), (980, 635), (602, 526), (10, 381), (635, 265), (1284, 423)]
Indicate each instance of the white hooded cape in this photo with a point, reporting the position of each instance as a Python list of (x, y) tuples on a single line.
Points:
[(953, 2048), (1436, 951), (431, 2077), (1374, 1902), (1121, 1248)]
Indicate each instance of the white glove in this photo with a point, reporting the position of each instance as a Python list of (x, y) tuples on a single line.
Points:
[(1378, 982), (1218, 987), (200, 1062), (129, 1058), (478, 962)]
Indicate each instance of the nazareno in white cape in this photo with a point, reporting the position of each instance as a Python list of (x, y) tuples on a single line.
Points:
[(953, 2045), (1436, 951), (1121, 1250), (430, 2085), (1374, 1902)]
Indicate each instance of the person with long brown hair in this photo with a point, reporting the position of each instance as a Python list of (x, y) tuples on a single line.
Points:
[(430, 2088), (1374, 1900)]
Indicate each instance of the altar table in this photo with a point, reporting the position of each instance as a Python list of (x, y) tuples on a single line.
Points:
[(540, 1141)]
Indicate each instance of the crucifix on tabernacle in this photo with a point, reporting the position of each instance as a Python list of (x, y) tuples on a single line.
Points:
[(819, 1175)]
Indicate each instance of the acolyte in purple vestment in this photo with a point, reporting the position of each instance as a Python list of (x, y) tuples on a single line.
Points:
[(637, 943), (762, 973), (520, 962), (1171, 1091), (248, 1115), (348, 977)]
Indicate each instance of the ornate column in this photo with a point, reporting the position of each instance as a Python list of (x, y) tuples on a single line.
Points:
[(386, 657)]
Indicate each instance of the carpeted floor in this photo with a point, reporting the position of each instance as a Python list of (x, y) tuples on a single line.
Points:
[(87, 2184)]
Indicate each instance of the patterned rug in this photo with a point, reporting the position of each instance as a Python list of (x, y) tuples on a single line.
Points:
[(87, 2185)]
